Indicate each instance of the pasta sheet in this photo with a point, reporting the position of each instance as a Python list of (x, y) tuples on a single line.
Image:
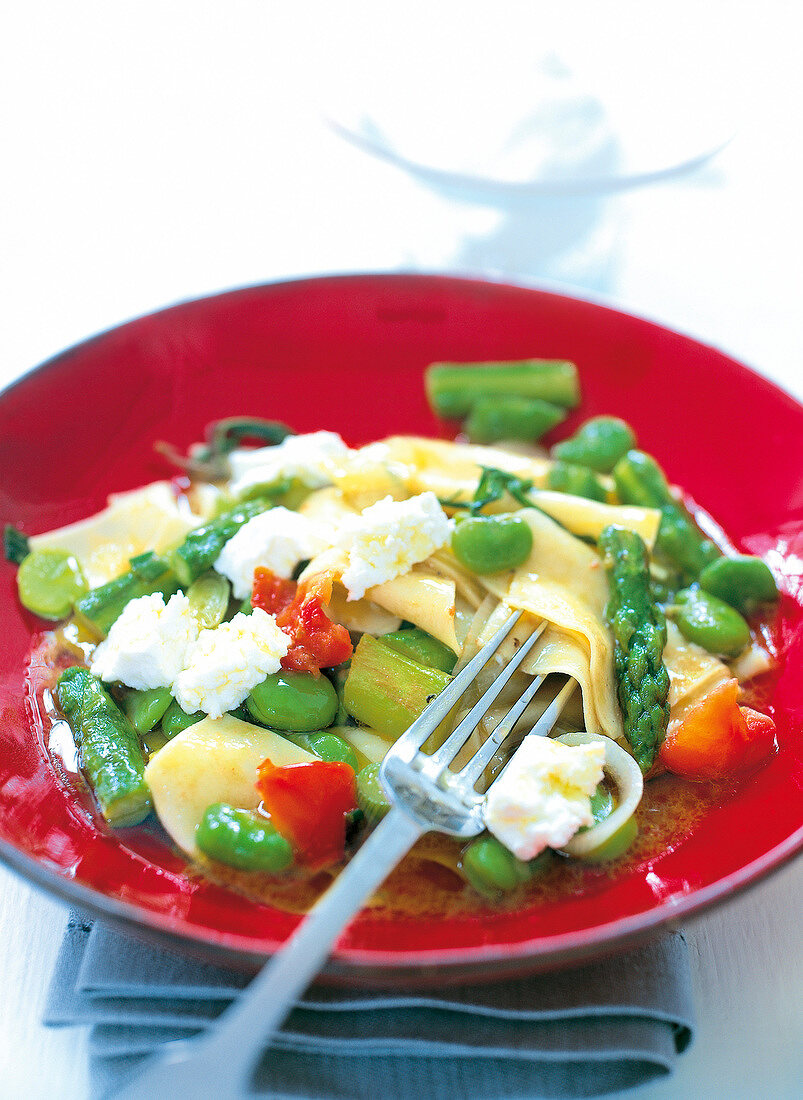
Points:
[(452, 470), (563, 581)]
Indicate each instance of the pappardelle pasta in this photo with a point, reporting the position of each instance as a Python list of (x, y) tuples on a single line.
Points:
[(247, 640)]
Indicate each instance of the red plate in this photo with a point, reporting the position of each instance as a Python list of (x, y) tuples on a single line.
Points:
[(348, 354)]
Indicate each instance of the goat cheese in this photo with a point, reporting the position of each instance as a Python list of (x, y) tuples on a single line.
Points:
[(308, 458), (278, 539), (544, 795), (147, 644), (224, 664), (390, 537)]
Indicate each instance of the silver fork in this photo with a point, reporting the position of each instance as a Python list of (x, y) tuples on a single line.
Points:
[(424, 795)]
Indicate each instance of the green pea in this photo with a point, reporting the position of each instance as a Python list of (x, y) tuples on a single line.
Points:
[(564, 477), (333, 748), (174, 719), (49, 582), (145, 708), (295, 701), (421, 647), (710, 622), (491, 544), (371, 797), (491, 869), (742, 581), (242, 839), (597, 444)]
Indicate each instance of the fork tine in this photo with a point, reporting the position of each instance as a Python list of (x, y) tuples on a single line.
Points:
[(545, 724), (543, 727), (434, 764), (471, 771), (414, 737)]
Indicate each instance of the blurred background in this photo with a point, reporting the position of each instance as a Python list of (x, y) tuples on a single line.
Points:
[(158, 151)]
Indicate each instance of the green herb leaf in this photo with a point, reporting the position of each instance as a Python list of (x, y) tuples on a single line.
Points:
[(208, 461), (15, 544)]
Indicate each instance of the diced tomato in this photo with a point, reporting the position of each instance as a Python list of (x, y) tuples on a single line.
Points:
[(308, 804), (273, 594), (716, 738), (315, 641)]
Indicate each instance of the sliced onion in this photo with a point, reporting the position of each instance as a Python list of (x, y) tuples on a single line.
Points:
[(630, 786)]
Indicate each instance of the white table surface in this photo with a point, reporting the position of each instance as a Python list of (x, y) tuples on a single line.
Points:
[(155, 152)]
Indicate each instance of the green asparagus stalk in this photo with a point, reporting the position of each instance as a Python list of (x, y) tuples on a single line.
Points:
[(149, 573), (453, 388), (202, 546), (640, 480), (110, 754), (523, 418), (639, 631), (371, 797)]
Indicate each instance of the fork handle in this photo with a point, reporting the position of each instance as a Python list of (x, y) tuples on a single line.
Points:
[(221, 1063)]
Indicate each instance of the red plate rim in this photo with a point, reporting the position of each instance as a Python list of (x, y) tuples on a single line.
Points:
[(353, 964)]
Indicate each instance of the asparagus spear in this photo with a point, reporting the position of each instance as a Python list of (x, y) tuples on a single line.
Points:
[(110, 753), (453, 388), (202, 546), (149, 573), (639, 631), (524, 418), (640, 480)]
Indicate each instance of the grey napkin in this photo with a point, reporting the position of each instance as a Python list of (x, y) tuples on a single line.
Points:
[(581, 1032)]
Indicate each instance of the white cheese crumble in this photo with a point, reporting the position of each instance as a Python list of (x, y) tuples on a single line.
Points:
[(308, 458), (544, 795), (390, 537), (226, 663), (277, 539), (147, 644)]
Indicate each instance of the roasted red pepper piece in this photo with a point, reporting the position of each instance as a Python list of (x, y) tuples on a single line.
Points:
[(308, 804), (273, 594), (315, 641), (716, 738)]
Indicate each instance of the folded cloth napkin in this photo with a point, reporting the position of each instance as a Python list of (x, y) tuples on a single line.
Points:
[(587, 1031)]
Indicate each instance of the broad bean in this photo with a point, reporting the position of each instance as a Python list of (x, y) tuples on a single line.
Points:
[(492, 544), (295, 701)]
